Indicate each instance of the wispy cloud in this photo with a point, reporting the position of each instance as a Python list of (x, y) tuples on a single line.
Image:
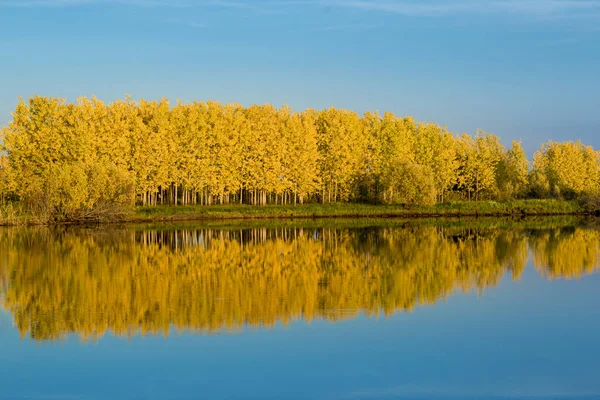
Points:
[(442, 8), (73, 3), (241, 4), (432, 8)]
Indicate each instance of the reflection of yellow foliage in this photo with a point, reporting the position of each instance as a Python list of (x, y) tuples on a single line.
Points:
[(90, 282), (566, 253)]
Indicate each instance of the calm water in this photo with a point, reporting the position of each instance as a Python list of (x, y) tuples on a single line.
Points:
[(348, 310)]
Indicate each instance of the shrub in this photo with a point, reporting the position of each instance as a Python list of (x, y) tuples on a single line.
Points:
[(409, 183), (590, 204), (78, 193)]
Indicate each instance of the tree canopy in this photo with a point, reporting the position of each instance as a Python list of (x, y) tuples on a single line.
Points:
[(73, 159)]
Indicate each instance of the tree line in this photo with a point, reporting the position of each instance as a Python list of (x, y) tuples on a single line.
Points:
[(78, 157), (209, 280)]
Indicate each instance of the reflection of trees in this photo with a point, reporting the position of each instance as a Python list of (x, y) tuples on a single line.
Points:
[(88, 282), (565, 252)]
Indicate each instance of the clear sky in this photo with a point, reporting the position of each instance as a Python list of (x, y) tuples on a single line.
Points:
[(523, 69)]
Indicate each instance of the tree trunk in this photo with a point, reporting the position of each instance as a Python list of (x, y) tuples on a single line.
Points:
[(335, 193), (295, 194)]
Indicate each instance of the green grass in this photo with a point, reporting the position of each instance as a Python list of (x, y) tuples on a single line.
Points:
[(482, 208), (12, 213)]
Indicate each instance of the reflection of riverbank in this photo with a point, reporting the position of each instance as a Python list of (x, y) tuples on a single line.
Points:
[(128, 281)]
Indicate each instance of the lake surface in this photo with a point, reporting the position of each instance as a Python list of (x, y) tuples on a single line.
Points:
[(449, 309)]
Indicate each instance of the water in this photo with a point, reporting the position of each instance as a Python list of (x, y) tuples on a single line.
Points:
[(475, 309)]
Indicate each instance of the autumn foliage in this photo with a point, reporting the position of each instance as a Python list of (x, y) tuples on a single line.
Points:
[(79, 160)]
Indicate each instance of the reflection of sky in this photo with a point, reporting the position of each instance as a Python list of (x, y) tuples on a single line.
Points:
[(524, 339)]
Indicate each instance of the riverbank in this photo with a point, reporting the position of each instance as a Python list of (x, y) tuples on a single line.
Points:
[(473, 209), (12, 216)]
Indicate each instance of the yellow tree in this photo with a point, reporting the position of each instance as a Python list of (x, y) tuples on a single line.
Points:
[(368, 182), (300, 170), (410, 183), (479, 158), (151, 140), (4, 180), (435, 148), (512, 172), (53, 147), (34, 139), (341, 148), (254, 151), (232, 152), (262, 153), (396, 144), (181, 149), (566, 169)]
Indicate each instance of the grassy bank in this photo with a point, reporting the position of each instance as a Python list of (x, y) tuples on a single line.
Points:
[(483, 208), (13, 215)]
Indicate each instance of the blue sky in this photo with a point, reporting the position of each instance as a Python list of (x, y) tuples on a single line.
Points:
[(523, 69)]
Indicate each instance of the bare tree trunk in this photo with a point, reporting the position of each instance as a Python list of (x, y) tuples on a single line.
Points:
[(295, 194), (335, 199)]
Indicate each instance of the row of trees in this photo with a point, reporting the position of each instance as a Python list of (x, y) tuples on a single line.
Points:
[(81, 156)]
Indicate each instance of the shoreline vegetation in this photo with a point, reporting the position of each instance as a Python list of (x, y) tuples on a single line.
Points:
[(318, 211), (144, 214), (128, 161)]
